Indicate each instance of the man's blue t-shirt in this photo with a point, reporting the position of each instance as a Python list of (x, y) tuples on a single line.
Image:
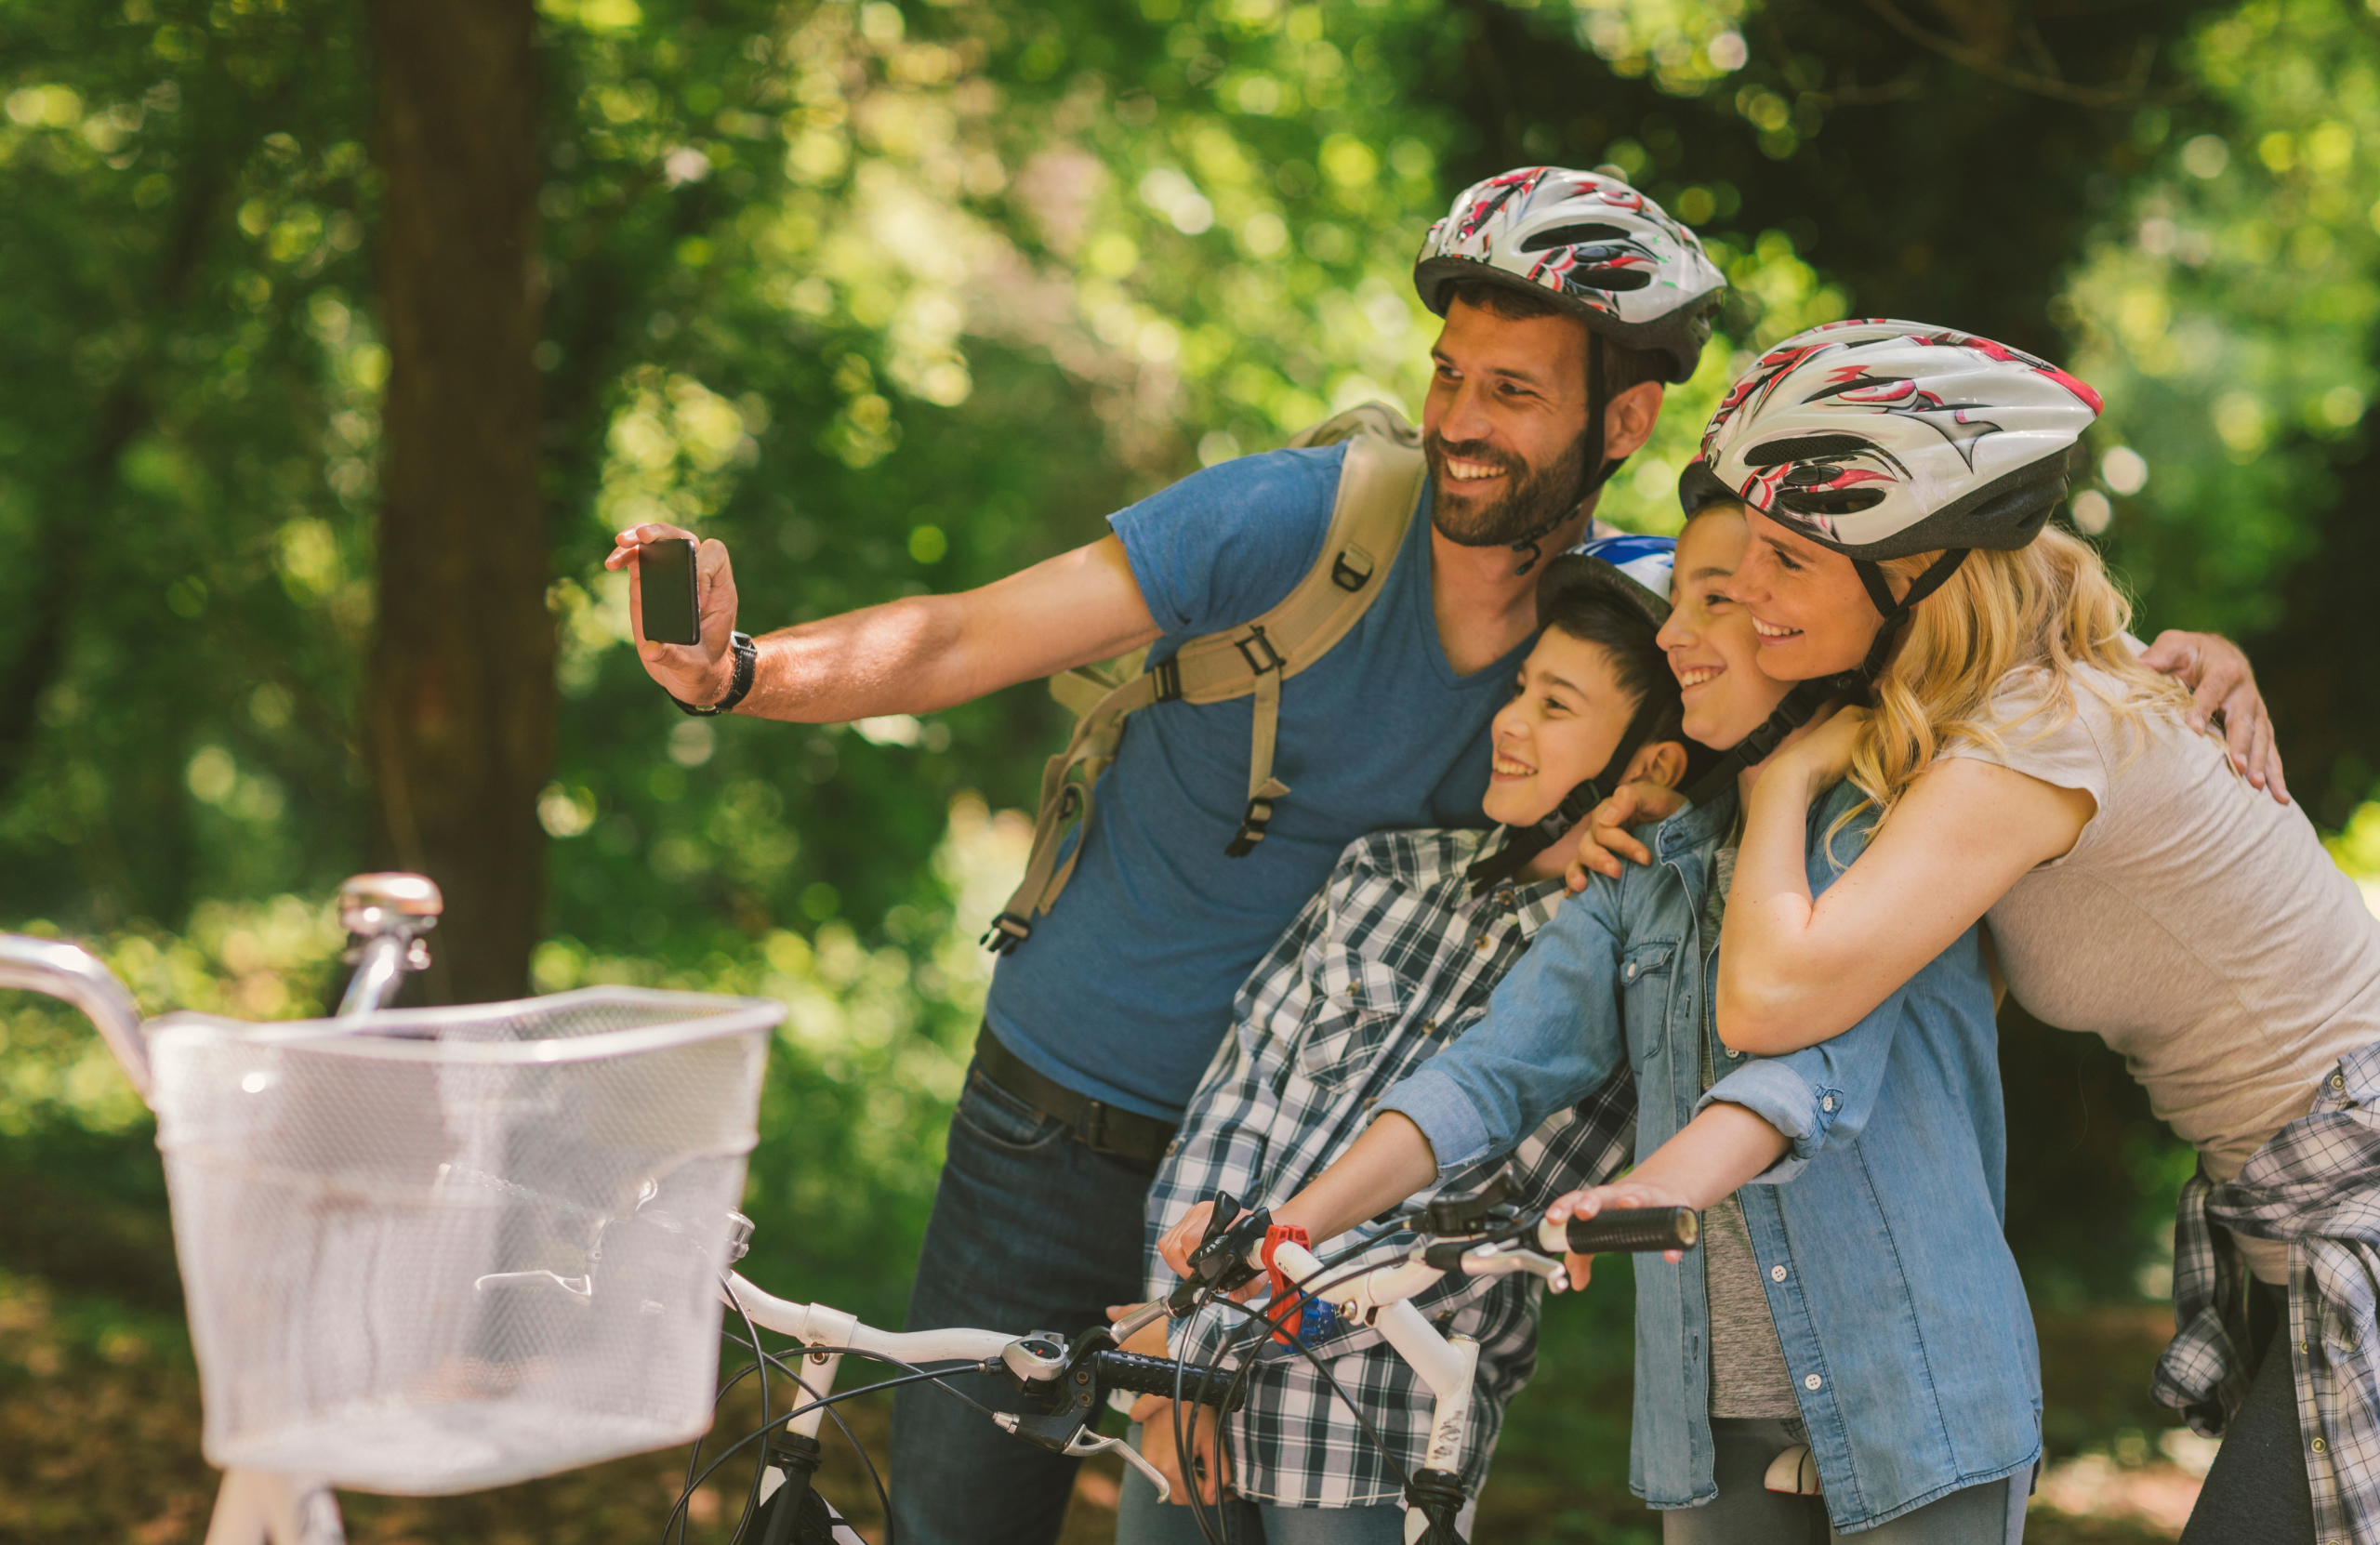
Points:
[(1126, 987)]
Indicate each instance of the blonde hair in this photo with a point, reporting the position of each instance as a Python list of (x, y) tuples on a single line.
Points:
[(2049, 605)]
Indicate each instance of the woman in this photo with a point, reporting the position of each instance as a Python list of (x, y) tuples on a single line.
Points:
[(2026, 767), (1855, 1305)]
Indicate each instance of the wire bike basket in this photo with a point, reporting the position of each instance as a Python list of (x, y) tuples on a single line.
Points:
[(435, 1251)]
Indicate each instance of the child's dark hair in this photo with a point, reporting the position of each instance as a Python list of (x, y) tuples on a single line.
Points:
[(1626, 636)]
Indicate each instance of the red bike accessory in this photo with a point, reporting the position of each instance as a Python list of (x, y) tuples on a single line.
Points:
[(1286, 1295)]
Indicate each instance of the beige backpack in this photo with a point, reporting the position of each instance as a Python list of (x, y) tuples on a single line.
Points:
[(1379, 486)]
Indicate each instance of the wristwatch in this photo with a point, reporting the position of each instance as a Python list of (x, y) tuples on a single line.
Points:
[(747, 656)]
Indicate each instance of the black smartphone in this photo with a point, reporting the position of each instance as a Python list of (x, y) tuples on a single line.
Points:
[(666, 574)]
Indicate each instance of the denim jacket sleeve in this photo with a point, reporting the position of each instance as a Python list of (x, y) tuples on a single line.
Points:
[(1819, 1095), (1823, 1093), (1551, 1034)]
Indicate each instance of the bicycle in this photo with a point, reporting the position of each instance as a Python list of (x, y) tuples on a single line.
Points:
[(673, 1233)]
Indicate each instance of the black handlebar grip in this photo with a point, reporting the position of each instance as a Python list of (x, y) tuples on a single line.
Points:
[(1129, 1370), (1624, 1229)]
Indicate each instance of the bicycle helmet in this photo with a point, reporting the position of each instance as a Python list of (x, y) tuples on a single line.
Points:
[(1603, 251), (1879, 439), (1635, 572)]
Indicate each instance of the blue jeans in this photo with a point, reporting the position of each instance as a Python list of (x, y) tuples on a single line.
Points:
[(1141, 1519), (1031, 1231), (1747, 1512)]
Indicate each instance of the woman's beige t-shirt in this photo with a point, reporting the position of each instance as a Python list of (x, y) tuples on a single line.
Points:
[(2196, 926)]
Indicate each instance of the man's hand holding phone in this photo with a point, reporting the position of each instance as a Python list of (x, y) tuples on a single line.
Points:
[(700, 672)]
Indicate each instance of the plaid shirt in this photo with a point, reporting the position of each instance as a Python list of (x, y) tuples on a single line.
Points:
[(2316, 1185), (1389, 961)]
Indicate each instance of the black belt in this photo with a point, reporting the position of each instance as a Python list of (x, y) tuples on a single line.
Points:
[(1098, 1126)]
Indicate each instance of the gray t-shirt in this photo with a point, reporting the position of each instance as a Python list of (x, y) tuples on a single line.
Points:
[(2196, 926), (1748, 1377)]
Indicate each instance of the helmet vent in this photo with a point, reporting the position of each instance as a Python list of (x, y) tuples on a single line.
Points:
[(1608, 279), (1574, 235), (1807, 447), (1830, 501)]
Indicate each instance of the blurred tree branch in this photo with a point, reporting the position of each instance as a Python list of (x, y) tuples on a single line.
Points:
[(1991, 28)]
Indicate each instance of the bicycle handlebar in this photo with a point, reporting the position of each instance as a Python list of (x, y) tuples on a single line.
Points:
[(1626, 1228), (74, 975), (1164, 1375)]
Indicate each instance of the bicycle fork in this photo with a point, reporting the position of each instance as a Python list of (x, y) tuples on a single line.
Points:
[(794, 1455), (1449, 1364)]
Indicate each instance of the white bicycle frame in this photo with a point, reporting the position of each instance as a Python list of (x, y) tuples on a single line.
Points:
[(815, 1325), (1380, 1298), (388, 913)]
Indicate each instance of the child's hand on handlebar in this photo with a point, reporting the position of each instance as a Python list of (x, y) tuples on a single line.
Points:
[(1594, 1199), (1212, 1472), (1180, 1242)]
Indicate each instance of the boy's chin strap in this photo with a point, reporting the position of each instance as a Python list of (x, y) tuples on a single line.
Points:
[(1522, 844), (1852, 686)]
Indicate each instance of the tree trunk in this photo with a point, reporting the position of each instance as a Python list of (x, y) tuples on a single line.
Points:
[(460, 705)]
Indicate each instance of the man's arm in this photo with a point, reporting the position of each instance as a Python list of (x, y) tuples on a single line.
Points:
[(912, 655)]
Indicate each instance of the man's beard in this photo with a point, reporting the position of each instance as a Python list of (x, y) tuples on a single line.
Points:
[(1533, 498)]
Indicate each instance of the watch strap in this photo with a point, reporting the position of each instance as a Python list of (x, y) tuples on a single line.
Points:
[(747, 655)]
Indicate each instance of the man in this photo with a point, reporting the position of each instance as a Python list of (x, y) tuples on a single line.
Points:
[(1569, 300)]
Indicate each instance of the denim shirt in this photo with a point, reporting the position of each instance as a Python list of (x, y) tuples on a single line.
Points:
[(1878, 1234)]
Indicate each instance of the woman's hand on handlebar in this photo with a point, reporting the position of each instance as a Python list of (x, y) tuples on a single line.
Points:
[(1594, 1199), (1155, 1415), (1603, 837)]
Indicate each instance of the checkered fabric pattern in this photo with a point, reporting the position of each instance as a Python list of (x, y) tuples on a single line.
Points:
[(2316, 1185), (1389, 961)]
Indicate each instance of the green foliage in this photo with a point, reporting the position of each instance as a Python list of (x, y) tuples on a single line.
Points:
[(2228, 311), (895, 297)]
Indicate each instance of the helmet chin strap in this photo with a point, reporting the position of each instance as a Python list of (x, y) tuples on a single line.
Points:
[(1808, 697), (1530, 541), (1895, 613)]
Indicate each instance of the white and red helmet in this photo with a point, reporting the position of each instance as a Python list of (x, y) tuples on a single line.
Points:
[(1607, 252), (1880, 439)]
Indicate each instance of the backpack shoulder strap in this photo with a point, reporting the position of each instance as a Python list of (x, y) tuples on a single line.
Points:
[(1380, 483)]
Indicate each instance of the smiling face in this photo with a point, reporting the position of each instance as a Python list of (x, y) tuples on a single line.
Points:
[(1812, 614), (1502, 424), (1709, 637), (1558, 731)]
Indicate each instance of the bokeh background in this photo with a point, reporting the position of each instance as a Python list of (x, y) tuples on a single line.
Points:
[(335, 338)]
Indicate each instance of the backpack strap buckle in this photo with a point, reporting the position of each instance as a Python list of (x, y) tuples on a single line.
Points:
[(1007, 932), (1269, 658), (1352, 569), (1166, 677), (1251, 828)]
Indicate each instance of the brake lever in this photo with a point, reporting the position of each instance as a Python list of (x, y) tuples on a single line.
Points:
[(1087, 1443), (1515, 1257)]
